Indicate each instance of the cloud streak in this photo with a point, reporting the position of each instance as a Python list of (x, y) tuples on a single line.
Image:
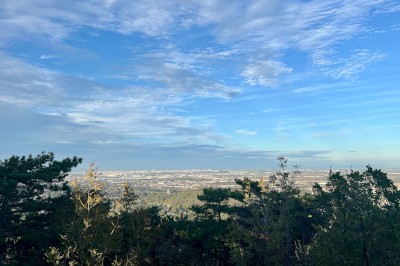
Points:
[(313, 26), (246, 132), (188, 73), (133, 112), (184, 80)]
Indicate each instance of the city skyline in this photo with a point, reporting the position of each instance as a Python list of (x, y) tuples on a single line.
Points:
[(202, 84)]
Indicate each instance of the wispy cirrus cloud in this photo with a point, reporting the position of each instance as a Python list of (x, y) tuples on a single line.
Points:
[(305, 23), (116, 72), (312, 26), (46, 57), (24, 84), (183, 79), (130, 112), (246, 132), (346, 68), (264, 73)]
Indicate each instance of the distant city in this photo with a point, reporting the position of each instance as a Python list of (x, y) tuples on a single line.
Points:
[(171, 181)]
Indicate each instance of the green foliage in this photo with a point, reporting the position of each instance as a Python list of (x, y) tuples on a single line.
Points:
[(127, 201), (215, 203), (358, 216), (202, 239), (283, 179), (354, 220), (97, 235), (263, 228), (277, 218), (175, 204), (33, 201), (85, 240)]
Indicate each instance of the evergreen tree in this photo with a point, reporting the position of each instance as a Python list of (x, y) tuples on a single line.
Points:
[(86, 235), (358, 220), (276, 218), (216, 203), (34, 198)]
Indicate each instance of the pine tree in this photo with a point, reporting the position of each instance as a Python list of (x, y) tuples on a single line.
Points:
[(33, 199), (358, 220)]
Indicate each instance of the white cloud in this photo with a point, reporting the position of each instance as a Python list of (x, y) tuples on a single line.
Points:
[(264, 72), (269, 110), (246, 132), (92, 108), (279, 128), (311, 26), (276, 24), (191, 50), (24, 84), (358, 62), (185, 80), (390, 8), (45, 57), (347, 68)]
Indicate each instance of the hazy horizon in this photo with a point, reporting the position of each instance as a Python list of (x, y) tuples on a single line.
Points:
[(82, 169)]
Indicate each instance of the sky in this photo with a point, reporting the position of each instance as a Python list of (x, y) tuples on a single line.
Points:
[(210, 84)]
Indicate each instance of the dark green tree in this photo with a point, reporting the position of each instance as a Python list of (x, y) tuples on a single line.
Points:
[(216, 203), (277, 218), (96, 234), (358, 220), (34, 198), (86, 235), (140, 235)]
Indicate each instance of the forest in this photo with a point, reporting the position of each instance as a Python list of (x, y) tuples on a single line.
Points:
[(352, 220)]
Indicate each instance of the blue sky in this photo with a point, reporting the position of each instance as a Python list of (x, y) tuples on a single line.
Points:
[(202, 84)]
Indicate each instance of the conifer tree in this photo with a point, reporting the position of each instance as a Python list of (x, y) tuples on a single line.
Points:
[(86, 235), (358, 220), (34, 199)]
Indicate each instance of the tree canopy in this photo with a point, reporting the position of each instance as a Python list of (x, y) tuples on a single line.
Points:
[(352, 220), (33, 200)]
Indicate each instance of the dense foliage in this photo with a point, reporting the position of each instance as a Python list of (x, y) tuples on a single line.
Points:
[(353, 220), (34, 200)]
